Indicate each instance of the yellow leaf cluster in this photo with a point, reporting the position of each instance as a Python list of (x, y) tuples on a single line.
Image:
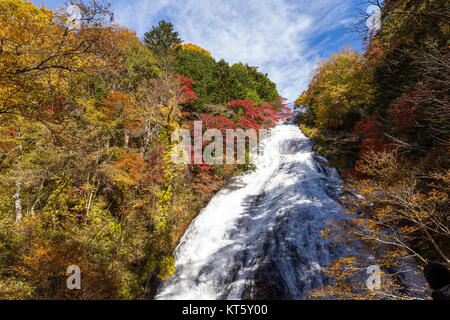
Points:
[(190, 46)]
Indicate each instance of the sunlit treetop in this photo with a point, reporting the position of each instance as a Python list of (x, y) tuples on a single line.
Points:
[(190, 46)]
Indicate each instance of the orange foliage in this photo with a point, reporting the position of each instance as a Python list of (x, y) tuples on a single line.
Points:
[(45, 266), (190, 46)]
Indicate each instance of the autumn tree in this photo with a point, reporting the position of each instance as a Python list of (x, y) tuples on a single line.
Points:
[(190, 46), (86, 174), (33, 71), (398, 190), (340, 90)]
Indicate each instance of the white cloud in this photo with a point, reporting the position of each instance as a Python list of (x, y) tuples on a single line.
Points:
[(275, 35)]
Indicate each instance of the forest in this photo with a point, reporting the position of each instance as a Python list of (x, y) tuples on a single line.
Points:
[(382, 118), (86, 176), (88, 112)]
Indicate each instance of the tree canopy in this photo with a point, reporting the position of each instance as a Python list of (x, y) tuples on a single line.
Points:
[(86, 123)]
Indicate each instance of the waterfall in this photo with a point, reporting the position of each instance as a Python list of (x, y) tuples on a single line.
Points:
[(260, 237)]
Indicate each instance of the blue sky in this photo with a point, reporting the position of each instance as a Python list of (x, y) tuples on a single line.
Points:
[(284, 38)]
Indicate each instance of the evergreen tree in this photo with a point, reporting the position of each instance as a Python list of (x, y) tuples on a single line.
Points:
[(164, 42)]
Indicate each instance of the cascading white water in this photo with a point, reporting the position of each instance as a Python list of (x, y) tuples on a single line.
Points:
[(260, 237)]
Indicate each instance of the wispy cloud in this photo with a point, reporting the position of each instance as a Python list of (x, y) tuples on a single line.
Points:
[(285, 38)]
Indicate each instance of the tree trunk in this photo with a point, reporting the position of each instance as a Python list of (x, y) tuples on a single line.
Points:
[(17, 195), (18, 201), (436, 246), (126, 140), (147, 136), (38, 198)]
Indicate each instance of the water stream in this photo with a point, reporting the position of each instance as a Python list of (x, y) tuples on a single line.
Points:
[(260, 237)]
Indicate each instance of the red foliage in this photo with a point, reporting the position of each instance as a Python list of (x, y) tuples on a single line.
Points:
[(185, 94), (405, 112), (205, 184), (221, 123), (241, 103), (266, 116), (373, 138), (251, 117), (56, 106), (352, 174)]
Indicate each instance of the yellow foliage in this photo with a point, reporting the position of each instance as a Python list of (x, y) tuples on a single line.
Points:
[(166, 268), (189, 46), (339, 87), (39, 55)]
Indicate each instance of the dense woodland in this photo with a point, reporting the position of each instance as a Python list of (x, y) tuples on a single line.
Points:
[(86, 176), (383, 118)]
